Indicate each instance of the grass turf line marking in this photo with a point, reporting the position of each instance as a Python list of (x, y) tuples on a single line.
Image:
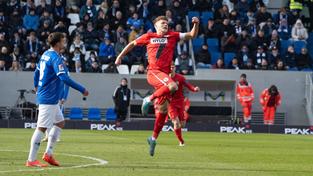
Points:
[(99, 163)]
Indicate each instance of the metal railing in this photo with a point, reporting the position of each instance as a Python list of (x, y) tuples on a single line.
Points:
[(309, 97)]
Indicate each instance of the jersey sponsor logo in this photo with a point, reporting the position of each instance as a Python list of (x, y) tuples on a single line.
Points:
[(170, 128), (303, 131), (230, 129), (30, 125), (45, 58), (158, 40), (61, 68), (107, 127)]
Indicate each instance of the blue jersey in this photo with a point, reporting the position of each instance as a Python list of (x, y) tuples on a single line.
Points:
[(50, 77)]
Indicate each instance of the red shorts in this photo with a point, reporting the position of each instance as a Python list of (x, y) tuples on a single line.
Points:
[(158, 79), (176, 109)]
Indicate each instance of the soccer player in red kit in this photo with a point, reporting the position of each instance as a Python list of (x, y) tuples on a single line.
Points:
[(160, 48), (176, 108)]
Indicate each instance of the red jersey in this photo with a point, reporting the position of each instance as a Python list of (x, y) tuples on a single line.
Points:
[(160, 49), (266, 100), (245, 92), (181, 83)]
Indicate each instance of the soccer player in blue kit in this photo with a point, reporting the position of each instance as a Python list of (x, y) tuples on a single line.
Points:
[(51, 73)]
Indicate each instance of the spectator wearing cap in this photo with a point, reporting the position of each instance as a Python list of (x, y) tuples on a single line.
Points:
[(88, 9), (299, 32), (290, 58), (203, 57), (106, 52), (259, 56), (262, 15), (31, 20), (274, 56), (304, 60), (183, 64)]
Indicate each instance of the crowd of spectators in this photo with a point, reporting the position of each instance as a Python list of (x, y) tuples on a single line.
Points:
[(105, 27)]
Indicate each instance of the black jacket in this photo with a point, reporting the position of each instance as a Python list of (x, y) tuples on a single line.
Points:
[(121, 104)]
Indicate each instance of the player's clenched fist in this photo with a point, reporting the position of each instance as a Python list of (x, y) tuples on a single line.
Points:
[(195, 20)]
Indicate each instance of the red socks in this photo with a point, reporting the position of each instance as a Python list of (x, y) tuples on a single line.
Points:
[(164, 90), (158, 124), (179, 135)]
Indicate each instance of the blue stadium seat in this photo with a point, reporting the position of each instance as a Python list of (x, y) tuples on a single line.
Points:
[(205, 17), (298, 45), (213, 44), (307, 70), (197, 43), (94, 114), (76, 113), (284, 46), (214, 57), (193, 14), (228, 57), (110, 115)]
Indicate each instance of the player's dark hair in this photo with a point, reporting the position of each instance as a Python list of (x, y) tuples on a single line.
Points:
[(243, 75), (54, 38), (159, 18), (124, 79)]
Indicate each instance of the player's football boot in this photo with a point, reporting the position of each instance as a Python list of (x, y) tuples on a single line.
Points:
[(35, 163), (152, 144), (49, 159), (145, 106), (182, 144)]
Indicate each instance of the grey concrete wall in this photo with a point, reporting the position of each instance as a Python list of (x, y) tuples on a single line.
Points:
[(101, 87)]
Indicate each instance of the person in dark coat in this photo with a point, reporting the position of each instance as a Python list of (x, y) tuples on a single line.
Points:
[(121, 98)]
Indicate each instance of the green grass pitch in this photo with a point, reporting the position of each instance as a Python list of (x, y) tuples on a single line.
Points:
[(127, 154)]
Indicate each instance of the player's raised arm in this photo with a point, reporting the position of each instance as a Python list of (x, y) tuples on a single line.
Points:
[(194, 31), (126, 50)]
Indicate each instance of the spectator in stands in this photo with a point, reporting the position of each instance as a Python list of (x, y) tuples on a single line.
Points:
[(92, 58), (158, 8), (80, 30), (104, 7), (121, 98), (16, 41), (172, 21), (43, 7), (268, 27), (270, 99), (106, 52), (282, 15), (303, 60), (275, 40), (31, 20), (59, 10), (259, 56), (141, 70), (221, 13), (183, 64), (46, 18), (15, 19), (238, 27), (134, 33), (95, 68), (201, 5), (283, 30), (101, 20), (15, 66), (280, 66), (44, 31), (249, 65), (5, 58), (105, 33), (228, 37), (118, 21), (219, 64), (252, 28), (61, 27), (242, 7), (299, 32), (233, 17), (119, 46), (210, 30), (120, 32), (178, 11), (28, 7), (243, 39), (77, 43), (88, 9), (264, 65), (32, 66), (290, 58), (135, 21), (182, 46), (16, 55), (234, 64), (77, 58), (114, 8), (260, 40), (274, 56), (32, 47), (90, 37), (203, 57), (111, 68), (243, 55), (262, 15)]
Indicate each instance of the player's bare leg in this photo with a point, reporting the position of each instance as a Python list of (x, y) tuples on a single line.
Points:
[(160, 115), (52, 139), (34, 147), (177, 129), (147, 101)]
